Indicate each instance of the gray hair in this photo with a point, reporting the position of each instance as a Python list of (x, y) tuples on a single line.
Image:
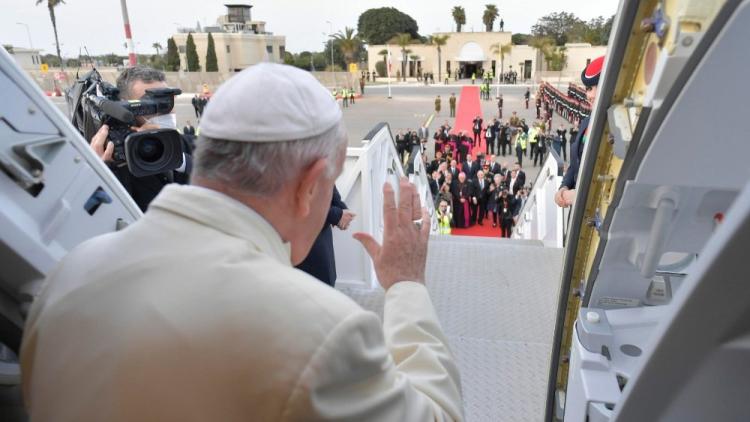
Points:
[(137, 73), (262, 168)]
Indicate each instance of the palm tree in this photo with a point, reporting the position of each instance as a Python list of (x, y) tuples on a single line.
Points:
[(490, 14), (545, 46), (384, 53), (51, 4), (439, 41), (459, 16), (157, 46), (413, 68), (501, 51), (403, 41), (348, 43)]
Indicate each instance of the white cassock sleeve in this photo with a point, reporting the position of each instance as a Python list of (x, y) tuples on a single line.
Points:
[(357, 374)]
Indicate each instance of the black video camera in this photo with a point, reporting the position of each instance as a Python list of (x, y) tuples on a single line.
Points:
[(94, 103)]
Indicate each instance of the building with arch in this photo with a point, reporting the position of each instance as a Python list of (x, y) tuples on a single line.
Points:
[(471, 53)]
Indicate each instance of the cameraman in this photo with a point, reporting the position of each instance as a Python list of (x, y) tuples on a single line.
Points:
[(133, 83)]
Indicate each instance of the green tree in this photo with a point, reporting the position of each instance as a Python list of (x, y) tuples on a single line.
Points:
[(459, 16), (112, 59), (157, 46), (403, 41), (380, 67), (520, 39), (304, 60), (554, 56), (51, 4), (173, 57), (558, 59), (348, 43), (51, 60), (192, 55), (377, 26), (158, 62), (338, 56), (439, 41), (488, 18), (288, 58), (501, 50), (384, 53), (561, 27), (596, 31), (319, 61), (211, 65)]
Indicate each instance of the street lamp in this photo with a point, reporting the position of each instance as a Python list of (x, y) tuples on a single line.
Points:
[(28, 33)]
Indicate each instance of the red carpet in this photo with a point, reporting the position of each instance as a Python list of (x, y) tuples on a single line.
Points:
[(467, 109), (476, 230)]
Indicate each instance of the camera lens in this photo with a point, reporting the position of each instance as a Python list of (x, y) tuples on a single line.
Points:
[(150, 150)]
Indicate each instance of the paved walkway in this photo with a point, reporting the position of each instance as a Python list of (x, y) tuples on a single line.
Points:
[(499, 318)]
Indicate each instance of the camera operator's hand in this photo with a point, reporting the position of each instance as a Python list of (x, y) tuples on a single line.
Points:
[(99, 141), (403, 255), (346, 219)]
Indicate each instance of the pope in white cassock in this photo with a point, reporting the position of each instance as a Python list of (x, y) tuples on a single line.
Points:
[(196, 313)]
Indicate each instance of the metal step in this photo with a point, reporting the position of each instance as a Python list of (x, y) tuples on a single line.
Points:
[(486, 240), (497, 300)]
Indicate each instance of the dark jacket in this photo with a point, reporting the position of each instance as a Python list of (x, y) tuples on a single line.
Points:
[(143, 190), (320, 262), (470, 170), (576, 151)]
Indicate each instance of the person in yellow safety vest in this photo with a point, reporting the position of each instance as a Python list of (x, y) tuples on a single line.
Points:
[(533, 131), (473, 78), (444, 218), (521, 146)]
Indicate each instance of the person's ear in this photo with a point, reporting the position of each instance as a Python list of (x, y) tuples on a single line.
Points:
[(309, 187)]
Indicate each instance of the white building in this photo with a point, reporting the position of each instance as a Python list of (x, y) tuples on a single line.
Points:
[(27, 58), (239, 41), (470, 52)]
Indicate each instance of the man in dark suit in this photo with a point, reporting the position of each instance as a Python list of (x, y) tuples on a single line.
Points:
[(496, 168), (481, 191), (188, 135), (320, 262), (196, 106), (477, 129), (453, 169), (495, 133), (401, 144), (470, 167), (434, 182), (515, 181), (521, 173)]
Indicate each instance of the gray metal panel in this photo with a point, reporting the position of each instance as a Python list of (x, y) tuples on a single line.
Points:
[(702, 141), (496, 302), (698, 366)]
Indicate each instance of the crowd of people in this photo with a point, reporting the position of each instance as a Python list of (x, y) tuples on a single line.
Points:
[(510, 77), (344, 96), (408, 139), (199, 104), (469, 191), (570, 107), (476, 191)]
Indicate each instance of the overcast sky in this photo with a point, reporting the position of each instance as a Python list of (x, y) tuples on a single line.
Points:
[(97, 24)]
